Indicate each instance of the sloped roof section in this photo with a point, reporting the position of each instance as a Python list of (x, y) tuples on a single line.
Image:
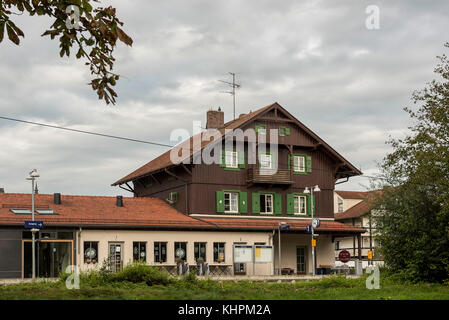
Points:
[(359, 195), (96, 211), (356, 211), (164, 161)]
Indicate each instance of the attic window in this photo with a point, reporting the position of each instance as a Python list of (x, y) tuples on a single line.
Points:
[(45, 211), (20, 211)]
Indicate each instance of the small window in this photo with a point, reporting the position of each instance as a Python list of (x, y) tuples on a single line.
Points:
[(45, 211), (219, 251), (284, 131), (90, 252), (266, 161), (231, 200), (300, 205), (340, 205), (173, 197), (160, 252), (266, 203), (261, 129), (20, 211), (299, 164), (140, 252), (337, 245), (232, 159), (181, 250), (200, 251)]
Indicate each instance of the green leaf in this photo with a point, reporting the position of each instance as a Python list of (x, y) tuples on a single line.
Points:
[(12, 34)]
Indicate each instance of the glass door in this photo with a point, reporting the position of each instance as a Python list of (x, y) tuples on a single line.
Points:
[(300, 260), (115, 257)]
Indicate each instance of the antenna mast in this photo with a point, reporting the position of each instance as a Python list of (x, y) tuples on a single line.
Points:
[(233, 85)]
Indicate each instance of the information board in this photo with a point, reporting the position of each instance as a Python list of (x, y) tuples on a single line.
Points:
[(243, 253), (263, 254)]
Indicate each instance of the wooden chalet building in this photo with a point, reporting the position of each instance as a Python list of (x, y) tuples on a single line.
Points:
[(236, 195)]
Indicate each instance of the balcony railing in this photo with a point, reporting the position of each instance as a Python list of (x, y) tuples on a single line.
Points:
[(270, 176)]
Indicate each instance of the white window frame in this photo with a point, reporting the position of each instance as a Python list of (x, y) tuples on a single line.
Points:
[(297, 166), (268, 195), (269, 156), (340, 202), (231, 209), (297, 205), (232, 155)]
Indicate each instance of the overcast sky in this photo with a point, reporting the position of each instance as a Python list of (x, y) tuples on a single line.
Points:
[(316, 58)]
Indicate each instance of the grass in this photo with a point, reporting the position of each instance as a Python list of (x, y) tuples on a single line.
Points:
[(150, 284)]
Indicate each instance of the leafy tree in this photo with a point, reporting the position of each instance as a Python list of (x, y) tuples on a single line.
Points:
[(90, 32), (414, 228)]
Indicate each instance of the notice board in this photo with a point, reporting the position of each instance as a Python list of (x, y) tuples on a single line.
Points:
[(243, 253), (263, 254)]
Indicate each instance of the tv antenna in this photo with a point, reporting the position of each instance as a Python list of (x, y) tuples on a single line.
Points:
[(233, 85)]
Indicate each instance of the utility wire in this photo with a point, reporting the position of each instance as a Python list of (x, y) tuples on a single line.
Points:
[(86, 132)]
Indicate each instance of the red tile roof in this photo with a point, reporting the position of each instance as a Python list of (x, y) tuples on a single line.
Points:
[(356, 211), (163, 161), (98, 211), (360, 195)]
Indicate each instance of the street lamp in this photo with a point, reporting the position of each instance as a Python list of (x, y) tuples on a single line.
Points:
[(32, 176), (311, 190)]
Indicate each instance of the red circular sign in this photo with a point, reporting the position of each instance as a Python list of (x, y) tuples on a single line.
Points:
[(344, 256)]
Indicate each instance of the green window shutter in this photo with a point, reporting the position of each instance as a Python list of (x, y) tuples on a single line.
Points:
[(308, 164), (289, 160), (290, 204), (241, 157), (287, 131), (277, 203), (220, 201), (309, 205), (256, 202), (243, 202)]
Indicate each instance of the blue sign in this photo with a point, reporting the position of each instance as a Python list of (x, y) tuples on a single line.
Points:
[(34, 224), (309, 229), (285, 227)]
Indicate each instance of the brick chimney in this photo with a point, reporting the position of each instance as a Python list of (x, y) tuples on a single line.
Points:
[(215, 119)]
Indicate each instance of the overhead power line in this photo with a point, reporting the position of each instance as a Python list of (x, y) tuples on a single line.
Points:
[(87, 132)]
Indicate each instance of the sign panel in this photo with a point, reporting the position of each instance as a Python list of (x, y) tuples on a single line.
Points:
[(309, 229), (285, 227), (344, 256), (313, 243), (34, 224), (370, 254), (263, 254), (243, 253)]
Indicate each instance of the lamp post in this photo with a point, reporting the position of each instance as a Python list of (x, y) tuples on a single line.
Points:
[(32, 176), (311, 190)]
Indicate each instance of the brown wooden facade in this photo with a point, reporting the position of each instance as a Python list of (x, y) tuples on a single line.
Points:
[(196, 185)]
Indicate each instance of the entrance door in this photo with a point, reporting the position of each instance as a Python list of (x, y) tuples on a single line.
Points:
[(115, 257), (52, 258), (300, 260)]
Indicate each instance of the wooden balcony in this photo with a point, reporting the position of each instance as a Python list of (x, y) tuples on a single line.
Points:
[(269, 176)]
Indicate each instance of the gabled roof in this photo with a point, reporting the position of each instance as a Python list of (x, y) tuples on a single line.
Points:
[(163, 161), (360, 209), (359, 195)]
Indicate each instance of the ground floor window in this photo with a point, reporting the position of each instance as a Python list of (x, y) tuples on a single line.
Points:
[(90, 252), (160, 252), (219, 251), (300, 259), (139, 251), (115, 257), (200, 251), (181, 251)]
